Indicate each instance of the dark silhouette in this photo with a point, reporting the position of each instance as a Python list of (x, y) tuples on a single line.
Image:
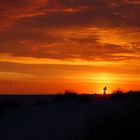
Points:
[(9, 103), (72, 116), (104, 90)]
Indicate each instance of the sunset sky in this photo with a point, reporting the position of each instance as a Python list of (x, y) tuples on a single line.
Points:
[(47, 46)]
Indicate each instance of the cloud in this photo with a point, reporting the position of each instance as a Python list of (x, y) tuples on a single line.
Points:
[(14, 10), (60, 13), (132, 1), (93, 44), (95, 30)]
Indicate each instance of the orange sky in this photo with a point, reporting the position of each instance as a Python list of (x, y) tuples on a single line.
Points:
[(48, 46)]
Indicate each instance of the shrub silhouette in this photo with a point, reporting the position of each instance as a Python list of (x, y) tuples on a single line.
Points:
[(9, 103), (118, 94), (70, 95), (74, 96)]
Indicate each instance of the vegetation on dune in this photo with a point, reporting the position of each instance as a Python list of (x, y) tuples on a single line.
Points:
[(70, 95)]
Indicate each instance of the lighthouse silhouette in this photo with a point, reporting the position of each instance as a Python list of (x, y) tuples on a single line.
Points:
[(104, 90)]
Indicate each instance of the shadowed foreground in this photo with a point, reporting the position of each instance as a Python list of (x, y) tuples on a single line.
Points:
[(70, 117)]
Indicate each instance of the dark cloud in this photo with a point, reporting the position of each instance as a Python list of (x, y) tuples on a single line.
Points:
[(100, 13), (86, 51), (14, 10), (54, 13), (31, 28)]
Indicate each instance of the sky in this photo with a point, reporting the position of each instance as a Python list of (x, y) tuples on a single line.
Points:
[(49, 46)]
